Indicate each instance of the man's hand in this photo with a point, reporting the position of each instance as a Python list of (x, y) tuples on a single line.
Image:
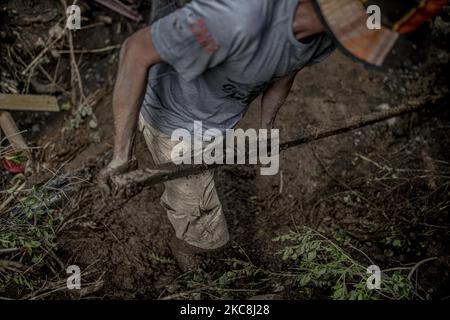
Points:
[(114, 168)]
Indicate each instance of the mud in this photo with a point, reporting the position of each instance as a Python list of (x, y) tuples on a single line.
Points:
[(341, 186), (321, 185)]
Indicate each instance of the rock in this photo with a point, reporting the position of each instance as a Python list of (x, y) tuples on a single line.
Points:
[(93, 124)]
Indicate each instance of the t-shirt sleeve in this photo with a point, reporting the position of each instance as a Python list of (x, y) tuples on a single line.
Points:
[(193, 39), (324, 50)]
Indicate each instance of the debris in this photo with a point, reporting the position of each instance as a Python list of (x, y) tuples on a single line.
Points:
[(18, 143), (12, 132), (43, 88), (105, 19), (119, 7), (97, 50), (13, 167), (93, 124), (266, 297), (38, 58), (28, 102), (56, 31)]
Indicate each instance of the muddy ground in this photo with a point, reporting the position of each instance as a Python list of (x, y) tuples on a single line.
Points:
[(384, 188)]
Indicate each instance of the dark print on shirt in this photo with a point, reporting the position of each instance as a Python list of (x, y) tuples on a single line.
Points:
[(243, 93)]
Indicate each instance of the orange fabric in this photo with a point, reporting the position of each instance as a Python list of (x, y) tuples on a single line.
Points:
[(347, 19), (421, 14)]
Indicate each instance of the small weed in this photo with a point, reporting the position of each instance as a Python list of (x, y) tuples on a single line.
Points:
[(314, 263), (324, 264), (26, 240)]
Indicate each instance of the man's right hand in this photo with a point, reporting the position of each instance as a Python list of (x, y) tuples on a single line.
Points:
[(114, 168)]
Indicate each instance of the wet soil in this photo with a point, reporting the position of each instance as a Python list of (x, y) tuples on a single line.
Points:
[(343, 186)]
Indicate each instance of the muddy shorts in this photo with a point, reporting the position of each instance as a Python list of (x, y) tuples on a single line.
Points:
[(191, 203)]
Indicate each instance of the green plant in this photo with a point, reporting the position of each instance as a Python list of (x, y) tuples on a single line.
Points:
[(27, 239), (17, 158), (161, 259), (311, 262), (321, 263)]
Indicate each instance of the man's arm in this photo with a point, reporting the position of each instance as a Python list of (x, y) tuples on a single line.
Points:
[(273, 99), (136, 57)]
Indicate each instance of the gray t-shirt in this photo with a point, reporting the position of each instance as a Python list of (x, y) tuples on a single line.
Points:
[(220, 55)]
